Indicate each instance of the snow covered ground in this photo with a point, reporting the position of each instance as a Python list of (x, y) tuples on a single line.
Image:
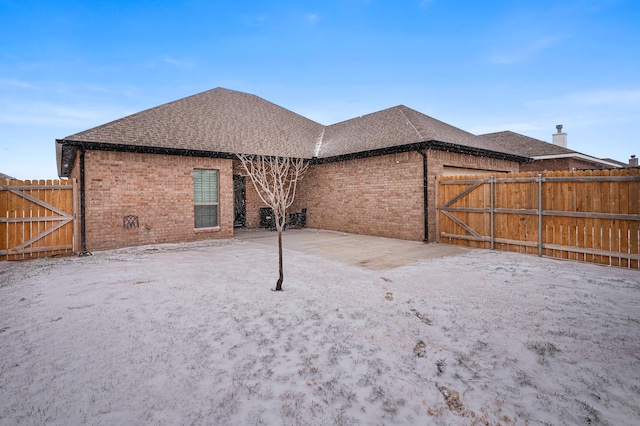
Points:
[(192, 334)]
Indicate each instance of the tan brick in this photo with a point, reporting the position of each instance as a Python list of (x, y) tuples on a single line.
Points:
[(156, 188)]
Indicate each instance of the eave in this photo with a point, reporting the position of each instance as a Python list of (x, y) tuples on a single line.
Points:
[(70, 147), (419, 146)]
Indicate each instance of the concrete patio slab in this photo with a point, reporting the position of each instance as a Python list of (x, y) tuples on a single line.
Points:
[(375, 253)]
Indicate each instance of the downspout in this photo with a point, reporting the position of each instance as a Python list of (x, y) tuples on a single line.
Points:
[(83, 233), (425, 182)]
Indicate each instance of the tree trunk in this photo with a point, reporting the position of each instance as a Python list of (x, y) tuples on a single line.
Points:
[(279, 283), (275, 180)]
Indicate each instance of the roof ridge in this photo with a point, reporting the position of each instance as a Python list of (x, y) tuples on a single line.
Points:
[(409, 121)]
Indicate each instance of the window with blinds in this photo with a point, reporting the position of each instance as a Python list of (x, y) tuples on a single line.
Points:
[(205, 196)]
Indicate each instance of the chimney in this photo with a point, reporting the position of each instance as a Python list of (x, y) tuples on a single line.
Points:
[(560, 138), (633, 161)]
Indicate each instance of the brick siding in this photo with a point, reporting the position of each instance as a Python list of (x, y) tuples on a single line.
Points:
[(156, 188), (379, 196)]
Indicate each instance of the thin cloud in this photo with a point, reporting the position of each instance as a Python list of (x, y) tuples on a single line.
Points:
[(177, 62), (12, 82), (606, 97), (525, 52), (251, 20), (594, 98), (55, 115), (170, 60)]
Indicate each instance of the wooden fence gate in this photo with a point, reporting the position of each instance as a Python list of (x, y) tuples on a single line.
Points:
[(36, 218), (591, 215)]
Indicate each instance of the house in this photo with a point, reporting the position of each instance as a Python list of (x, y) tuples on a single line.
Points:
[(6, 177), (544, 155), (169, 173)]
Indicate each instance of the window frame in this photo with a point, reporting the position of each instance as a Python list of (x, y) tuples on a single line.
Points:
[(198, 174)]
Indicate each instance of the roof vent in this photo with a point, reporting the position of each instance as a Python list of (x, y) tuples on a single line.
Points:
[(633, 161), (560, 138)]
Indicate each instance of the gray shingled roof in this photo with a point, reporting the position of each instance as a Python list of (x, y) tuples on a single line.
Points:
[(222, 120), (619, 163), (517, 144), (3, 177), (218, 120), (388, 128), (227, 121)]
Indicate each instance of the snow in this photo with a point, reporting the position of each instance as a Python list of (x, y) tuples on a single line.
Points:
[(193, 334)]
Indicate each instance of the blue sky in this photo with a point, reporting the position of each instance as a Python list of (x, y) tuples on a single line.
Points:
[(482, 66)]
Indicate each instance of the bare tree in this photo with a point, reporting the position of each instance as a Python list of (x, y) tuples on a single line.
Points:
[(275, 180)]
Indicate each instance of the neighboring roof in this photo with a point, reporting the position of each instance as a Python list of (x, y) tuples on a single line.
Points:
[(220, 122), (4, 177), (619, 163), (517, 144)]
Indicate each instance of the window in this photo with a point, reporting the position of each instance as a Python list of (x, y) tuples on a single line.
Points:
[(205, 197)]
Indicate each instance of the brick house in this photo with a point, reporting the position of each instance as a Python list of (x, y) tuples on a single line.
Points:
[(169, 173), (544, 155)]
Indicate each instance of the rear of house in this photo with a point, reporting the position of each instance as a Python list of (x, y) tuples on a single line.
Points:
[(169, 174)]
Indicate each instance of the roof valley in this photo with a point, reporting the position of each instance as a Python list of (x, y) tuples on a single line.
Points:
[(316, 152)]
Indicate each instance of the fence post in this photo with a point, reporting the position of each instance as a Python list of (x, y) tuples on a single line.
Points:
[(491, 208), (540, 214)]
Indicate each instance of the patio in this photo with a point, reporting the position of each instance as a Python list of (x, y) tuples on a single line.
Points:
[(375, 253)]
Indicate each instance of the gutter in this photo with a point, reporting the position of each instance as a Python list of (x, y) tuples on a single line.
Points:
[(425, 183), (424, 145), (83, 228), (69, 146), (98, 146)]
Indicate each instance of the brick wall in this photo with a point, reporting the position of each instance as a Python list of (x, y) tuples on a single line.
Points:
[(380, 196), (156, 188)]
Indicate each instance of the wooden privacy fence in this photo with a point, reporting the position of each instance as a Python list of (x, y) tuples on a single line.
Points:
[(591, 215), (36, 218)]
